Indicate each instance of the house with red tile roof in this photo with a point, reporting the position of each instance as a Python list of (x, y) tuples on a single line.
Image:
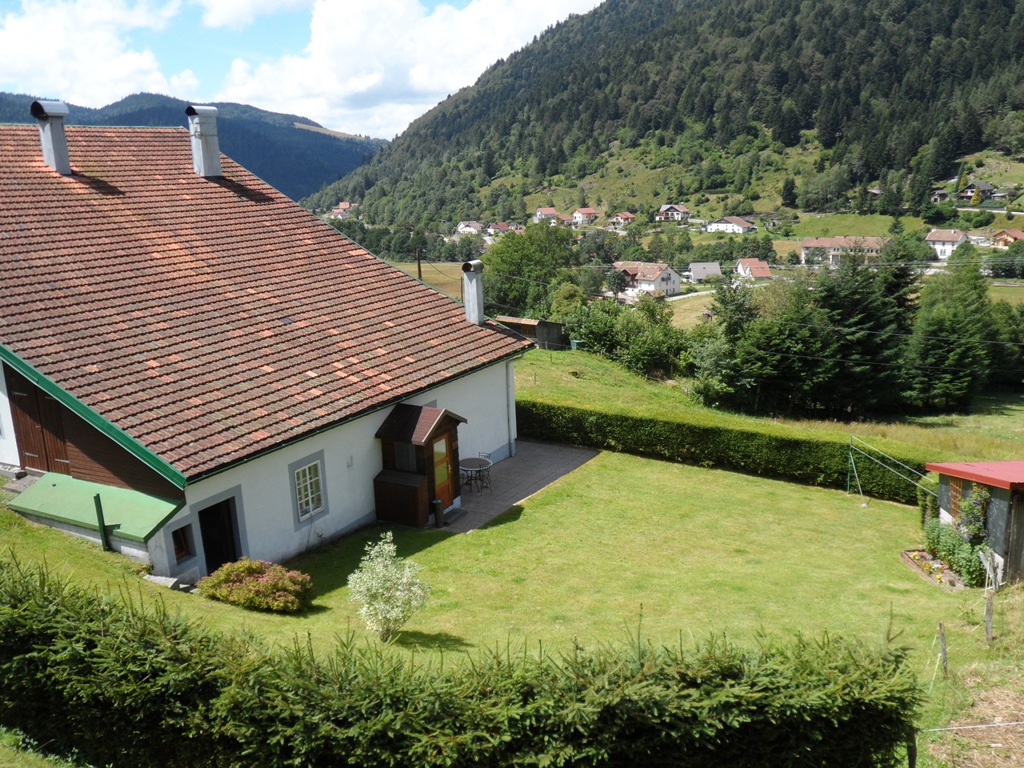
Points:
[(622, 219), (945, 241), (649, 278), (672, 212), (1004, 238), (199, 369), (544, 214), (753, 269), (584, 216), (1004, 513)]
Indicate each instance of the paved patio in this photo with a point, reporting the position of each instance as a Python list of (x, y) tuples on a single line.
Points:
[(535, 466)]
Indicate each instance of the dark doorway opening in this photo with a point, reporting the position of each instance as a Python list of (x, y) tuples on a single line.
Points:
[(217, 526)]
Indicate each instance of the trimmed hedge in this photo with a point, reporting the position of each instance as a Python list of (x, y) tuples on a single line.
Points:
[(128, 685), (802, 459)]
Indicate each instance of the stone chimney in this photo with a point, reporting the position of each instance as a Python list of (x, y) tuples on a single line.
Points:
[(50, 115), (473, 290), (202, 127)]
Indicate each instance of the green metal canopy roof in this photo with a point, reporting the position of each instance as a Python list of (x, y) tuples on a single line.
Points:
[(128, 514)]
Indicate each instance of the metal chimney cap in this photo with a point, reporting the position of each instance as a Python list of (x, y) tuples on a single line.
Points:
[(473, 266), (44, 110), (194, 110)]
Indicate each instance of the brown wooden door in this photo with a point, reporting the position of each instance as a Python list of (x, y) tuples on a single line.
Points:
[(443, 471), (51, 419), (38, 426)]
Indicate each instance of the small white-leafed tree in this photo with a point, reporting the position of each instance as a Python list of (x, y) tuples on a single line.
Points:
[(387, 587)]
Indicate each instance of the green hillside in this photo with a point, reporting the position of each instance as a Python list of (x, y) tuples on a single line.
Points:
[(641, 102)]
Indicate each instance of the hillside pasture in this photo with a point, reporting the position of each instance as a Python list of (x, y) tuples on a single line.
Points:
[(445, 277)]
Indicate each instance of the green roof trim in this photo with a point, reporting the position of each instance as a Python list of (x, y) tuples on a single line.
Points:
[(92, 418), (127, 514)]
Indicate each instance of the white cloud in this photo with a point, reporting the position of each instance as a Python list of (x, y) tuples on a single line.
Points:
[(368, 66), (236, 14), (76, 50), (372, 66)]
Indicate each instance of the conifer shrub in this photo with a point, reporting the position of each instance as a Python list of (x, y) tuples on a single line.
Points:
[(259, 586), (127, 684)]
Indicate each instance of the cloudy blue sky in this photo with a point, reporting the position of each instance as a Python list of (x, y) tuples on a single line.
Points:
[(361, 66)]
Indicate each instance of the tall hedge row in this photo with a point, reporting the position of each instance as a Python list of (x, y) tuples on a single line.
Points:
[(128, 685), (802, 459)]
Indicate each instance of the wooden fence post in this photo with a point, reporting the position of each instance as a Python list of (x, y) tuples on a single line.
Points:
[(942, 650)]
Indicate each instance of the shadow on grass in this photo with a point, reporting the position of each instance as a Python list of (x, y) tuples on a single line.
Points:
[(330, 565), (510, 515), (432, 641)]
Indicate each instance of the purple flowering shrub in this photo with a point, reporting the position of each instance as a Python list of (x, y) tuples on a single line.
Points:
[(259, 586)]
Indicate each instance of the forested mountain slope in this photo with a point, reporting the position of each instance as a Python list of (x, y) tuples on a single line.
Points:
[(891, 90), (273, 146)]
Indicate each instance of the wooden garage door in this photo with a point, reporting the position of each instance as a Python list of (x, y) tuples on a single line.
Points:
[(38, 426)]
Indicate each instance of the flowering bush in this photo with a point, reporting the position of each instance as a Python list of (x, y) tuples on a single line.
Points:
[(259, 586), (973, 506), (388, 588)]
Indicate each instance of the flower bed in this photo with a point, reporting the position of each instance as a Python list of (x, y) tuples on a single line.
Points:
[(931, 568)]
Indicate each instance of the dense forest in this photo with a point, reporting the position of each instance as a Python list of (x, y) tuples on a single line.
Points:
[(292, 153), (890, 91)]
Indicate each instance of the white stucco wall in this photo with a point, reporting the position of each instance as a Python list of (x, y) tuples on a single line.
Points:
[(268, 526), (8, 445)]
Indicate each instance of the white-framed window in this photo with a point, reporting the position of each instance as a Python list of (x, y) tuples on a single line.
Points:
[(309, 494)]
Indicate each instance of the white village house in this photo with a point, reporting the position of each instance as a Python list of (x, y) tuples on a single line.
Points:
[(945, 241), (832, 249), (227, 374), (649, 278), (672, 212), (733, 225)]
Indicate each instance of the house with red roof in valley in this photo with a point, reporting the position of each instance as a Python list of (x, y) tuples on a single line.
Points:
[(544, 214), (672, 212), (649, 278), (945, 241), (622, 219), (1004, 514), (1004, 238), (753, 269), (197, 369), (582, 217)]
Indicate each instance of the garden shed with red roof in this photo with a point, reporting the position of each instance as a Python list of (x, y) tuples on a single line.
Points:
[(1004, 517), (173, 326)]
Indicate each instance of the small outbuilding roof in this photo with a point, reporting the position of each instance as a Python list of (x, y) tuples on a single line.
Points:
[(999, 474)]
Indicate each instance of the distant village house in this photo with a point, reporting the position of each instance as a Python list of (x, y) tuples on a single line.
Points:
[(831, 250), (945, 241), (733, 225), (650, 278), (672, 212)]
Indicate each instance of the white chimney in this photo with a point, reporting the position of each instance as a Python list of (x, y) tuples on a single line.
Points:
[(202, 127), (473, 290), (50, 115)]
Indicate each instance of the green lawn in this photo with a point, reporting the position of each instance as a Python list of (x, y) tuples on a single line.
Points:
[(1005, 292), (689, 310), (852, 224), (445, 277)]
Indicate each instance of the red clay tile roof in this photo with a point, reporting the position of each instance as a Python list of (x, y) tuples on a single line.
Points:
[(945, 235), (209, 319)]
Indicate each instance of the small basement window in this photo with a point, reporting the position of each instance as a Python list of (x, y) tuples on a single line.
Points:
[(182, 540)]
